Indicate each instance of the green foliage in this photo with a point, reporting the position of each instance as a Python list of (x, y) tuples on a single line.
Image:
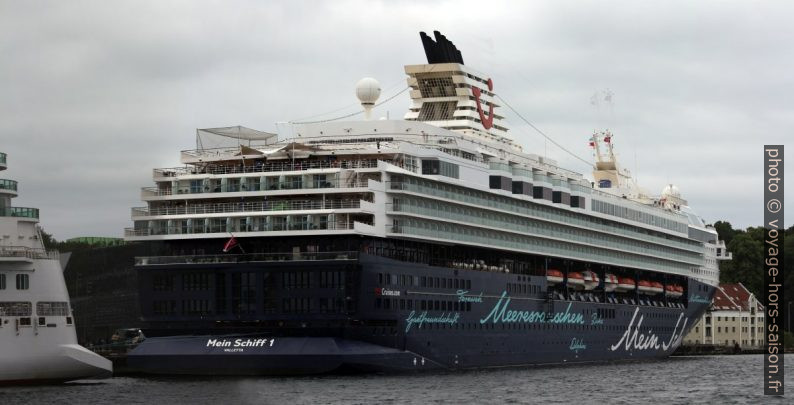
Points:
[(747, 266)]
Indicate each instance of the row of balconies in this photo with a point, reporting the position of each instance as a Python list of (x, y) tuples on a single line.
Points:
[(245, 257), (295, 184), (264, 167), (8, 186), (19, 212), (258, 206), (328, 222)]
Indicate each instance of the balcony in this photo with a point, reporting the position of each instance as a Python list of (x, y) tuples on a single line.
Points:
[(286, 166), (8, 186), (224, 231), (19, 212), (287, 185), (264, 206), (243, 258)]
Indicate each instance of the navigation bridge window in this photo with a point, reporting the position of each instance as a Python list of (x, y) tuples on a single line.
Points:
[(16, 308), (52, 308)]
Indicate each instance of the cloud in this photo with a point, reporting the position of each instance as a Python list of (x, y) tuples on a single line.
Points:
[(95, 94)]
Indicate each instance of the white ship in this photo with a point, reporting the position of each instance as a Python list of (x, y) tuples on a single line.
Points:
[(37, 332)]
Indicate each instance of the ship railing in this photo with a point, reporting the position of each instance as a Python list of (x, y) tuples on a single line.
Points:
[(582, 222), (8, 185), (225, 231), (260, 206), (246, 257), (28, 253), (286, 185), (268, 167), (19, 212)]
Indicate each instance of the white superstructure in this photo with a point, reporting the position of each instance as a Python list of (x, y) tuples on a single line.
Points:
[(448, 173), (37, 331)]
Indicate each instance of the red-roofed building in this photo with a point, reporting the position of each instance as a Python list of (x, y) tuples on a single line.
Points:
[(735, 317)]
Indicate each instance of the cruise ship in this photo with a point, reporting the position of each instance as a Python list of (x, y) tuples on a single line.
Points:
[(434, 242), (38, 343)]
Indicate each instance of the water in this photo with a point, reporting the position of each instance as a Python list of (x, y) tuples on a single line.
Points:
[(680, 380)]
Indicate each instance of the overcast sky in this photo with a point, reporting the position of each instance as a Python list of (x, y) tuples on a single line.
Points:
[(93, 95)]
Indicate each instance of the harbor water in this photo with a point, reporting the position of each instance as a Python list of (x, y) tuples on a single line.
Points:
[(677, 380)]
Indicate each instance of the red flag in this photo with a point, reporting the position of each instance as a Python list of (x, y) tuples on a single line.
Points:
[(607, 138), (230, 244), (592, 144)]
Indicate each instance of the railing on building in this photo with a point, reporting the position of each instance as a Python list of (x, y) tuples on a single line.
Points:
[(268, 167), (262, 206), (225, 231), (28, 253), (8, 185), (248, 257), (20, 212), (287, 185)]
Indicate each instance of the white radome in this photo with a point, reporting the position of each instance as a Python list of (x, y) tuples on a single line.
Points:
[(368, 91)]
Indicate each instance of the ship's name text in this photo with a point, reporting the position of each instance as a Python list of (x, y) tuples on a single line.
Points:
[(240, 342), (633, 339)]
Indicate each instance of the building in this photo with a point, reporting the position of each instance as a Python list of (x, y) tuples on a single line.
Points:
[(735, 317)]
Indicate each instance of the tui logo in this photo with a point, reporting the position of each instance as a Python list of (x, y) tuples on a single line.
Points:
[(487, 123)]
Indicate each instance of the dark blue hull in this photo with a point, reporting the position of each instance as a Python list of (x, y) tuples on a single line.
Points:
[(473, 319)]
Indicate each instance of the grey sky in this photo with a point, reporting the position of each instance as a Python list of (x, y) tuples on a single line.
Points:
[(93, 95)]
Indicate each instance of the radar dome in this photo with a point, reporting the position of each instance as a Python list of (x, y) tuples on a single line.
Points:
[(368, 91)]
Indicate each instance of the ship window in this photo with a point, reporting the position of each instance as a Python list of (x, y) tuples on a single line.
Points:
[(14, 308), (23, 282), (2, 281), (52, 308)]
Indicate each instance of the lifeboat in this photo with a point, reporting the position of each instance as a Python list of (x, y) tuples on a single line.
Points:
[(576, 280), (645, 287), (625, 284), (679, 291), (554, 277), (670, 291), (591, 280), (610, 282), (656, 287)]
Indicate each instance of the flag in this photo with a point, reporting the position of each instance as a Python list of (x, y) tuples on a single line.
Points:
[(607, 138), (230, 244), (592, 144)]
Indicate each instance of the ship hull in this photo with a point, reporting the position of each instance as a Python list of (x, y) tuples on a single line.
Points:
[(486, 327)]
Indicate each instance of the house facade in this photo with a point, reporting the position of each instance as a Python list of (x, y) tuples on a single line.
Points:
[(735, 317)]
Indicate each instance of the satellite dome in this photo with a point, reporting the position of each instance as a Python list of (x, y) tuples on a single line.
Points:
[(671, 190), (368, 91)]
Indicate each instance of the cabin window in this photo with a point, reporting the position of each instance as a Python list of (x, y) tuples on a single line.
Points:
[(23, 282), (52, 309), (15, 308)]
